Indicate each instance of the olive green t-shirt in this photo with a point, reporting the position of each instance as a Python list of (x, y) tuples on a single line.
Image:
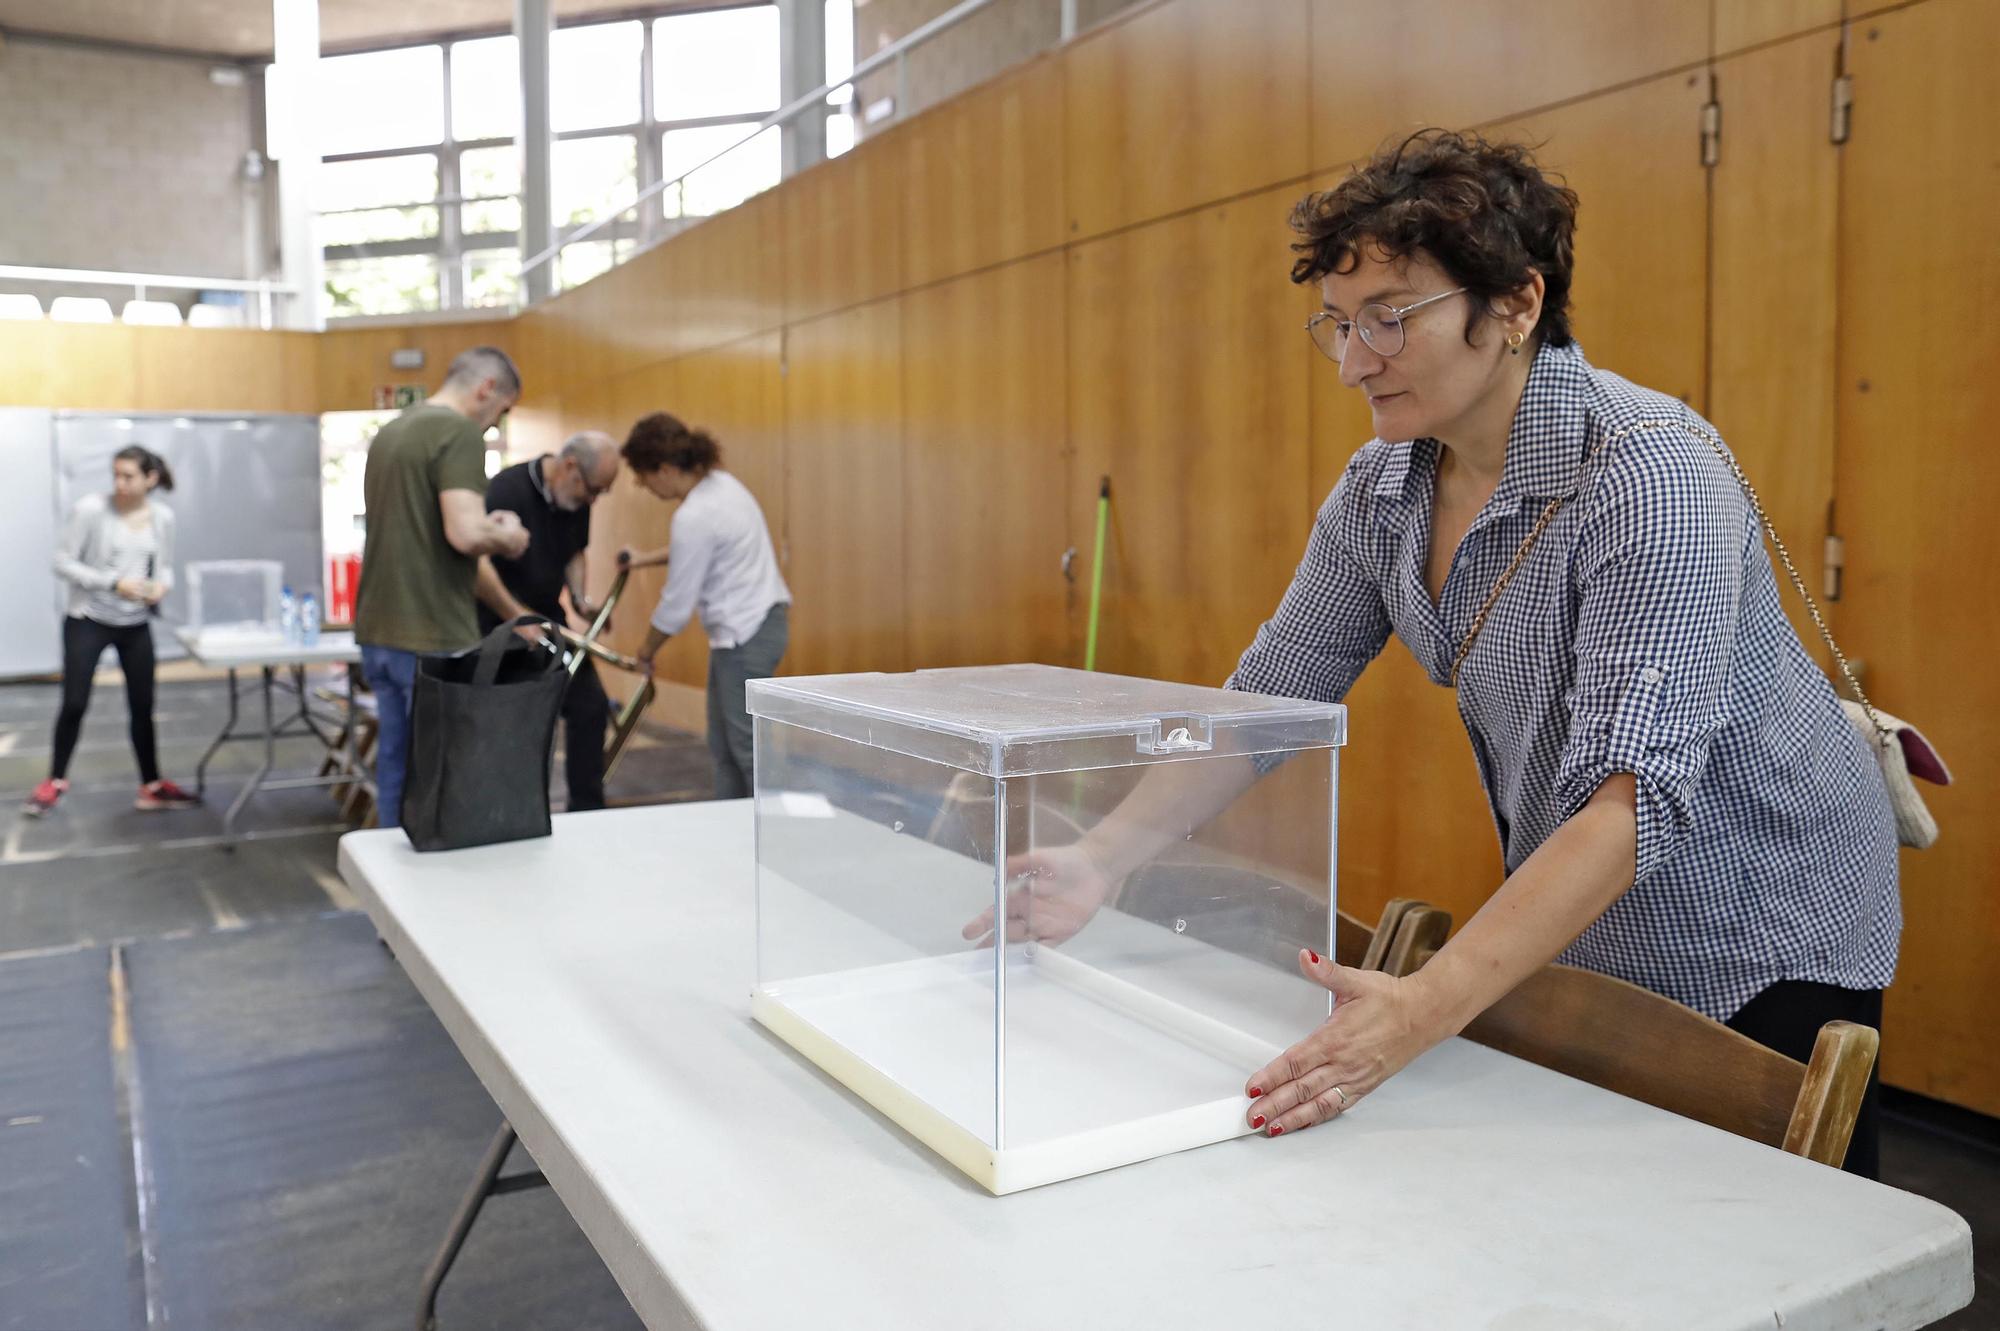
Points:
[(416, 591)]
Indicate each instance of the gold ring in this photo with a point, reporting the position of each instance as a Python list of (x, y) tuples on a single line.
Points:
[(1344, 1101)]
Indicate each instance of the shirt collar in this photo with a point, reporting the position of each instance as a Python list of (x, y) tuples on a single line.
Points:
[(1550, 436), (1546, 445), (535, 474)]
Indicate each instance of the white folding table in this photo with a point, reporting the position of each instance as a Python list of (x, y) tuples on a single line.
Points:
[(598, 983), (281, 665)]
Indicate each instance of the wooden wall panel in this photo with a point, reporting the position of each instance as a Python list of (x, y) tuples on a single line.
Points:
[(353, 362), (1776, 192), (115, 367), (216, 369), (726, 276), (80, 366), (1740, 24), (1187, 386), (985, 468), (843, 224), (1918, 480), (1640, 300), (1382, 70), (978, 188), (1181, 105), (844, 491)]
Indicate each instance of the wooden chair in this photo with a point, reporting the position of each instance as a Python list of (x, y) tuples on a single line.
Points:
[(1617, 1035)]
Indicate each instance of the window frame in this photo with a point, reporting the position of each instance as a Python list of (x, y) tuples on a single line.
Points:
[(451, 246)]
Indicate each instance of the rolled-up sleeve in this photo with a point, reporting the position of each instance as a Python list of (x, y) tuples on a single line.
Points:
[(1332, 621), (1660, 569)]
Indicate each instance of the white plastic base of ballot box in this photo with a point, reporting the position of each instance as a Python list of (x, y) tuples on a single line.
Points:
[(1096, 1072)]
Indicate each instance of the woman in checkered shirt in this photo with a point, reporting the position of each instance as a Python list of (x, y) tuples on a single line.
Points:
[(1680, 799)]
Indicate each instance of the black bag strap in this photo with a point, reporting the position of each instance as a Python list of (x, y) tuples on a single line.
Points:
[(495, 646)]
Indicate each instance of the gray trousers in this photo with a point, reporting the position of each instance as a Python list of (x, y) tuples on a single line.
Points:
[(729, 669)]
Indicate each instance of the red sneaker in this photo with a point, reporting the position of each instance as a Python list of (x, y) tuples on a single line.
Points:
[(164, 795), (44, 798)]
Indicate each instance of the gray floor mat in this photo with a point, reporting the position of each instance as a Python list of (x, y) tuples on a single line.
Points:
[(65, 1168), (312, 1127)]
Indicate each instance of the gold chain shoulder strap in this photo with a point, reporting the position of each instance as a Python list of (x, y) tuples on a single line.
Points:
[(1756, 505)]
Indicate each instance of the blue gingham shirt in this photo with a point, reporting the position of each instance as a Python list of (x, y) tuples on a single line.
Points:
[(1643, 634)]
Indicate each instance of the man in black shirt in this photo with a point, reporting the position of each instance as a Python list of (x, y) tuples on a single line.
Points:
[(553, 495)]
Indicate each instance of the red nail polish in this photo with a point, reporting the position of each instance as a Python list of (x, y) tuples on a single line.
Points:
[(1256, 1092), (1313, 955), (1257, 1122), (1275, 1129)]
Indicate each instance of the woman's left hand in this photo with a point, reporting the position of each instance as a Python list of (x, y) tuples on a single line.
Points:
[(1378, 1025)]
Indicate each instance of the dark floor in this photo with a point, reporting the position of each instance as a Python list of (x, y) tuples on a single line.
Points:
[(223, 1106)]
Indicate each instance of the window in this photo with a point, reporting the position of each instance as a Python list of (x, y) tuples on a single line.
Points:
[(486, 88), (492, 277), (492, 176), (380, 99), (582, 261), (594, 76), (728, 180), (392, 284), (418, 199), (374, 199), (720, 62), (839, 64), (591, 178)]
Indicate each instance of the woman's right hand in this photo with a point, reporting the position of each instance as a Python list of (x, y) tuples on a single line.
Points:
[(1052, 894), (132, 589)]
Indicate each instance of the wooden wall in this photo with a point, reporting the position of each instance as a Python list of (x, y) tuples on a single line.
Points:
[(923, 355), (928, 352)]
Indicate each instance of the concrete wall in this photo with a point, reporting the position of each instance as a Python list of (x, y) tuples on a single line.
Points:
[(121, 161)]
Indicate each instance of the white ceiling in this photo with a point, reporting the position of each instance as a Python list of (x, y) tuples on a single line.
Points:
[(243, 27)]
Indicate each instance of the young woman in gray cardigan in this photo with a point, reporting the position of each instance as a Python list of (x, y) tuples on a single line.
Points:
[(117, 555)]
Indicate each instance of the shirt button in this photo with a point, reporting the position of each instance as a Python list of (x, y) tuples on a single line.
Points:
[(1650, 675)]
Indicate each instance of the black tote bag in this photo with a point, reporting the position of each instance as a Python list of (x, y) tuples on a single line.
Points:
[(482, 735)]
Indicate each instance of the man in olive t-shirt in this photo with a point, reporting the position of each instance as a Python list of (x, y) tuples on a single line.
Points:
[(429, 535)]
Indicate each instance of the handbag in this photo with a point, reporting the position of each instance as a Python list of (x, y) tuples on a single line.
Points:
[(482, 738), (1901, 751)]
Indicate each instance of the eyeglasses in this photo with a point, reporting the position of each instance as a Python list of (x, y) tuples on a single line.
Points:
[(592, 492), (1381, 326)]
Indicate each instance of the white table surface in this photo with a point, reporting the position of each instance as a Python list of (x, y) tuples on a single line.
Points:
[(242, 652), (597, 981)]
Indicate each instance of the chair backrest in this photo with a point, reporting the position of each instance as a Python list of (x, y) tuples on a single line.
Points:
[(1630, 1040)]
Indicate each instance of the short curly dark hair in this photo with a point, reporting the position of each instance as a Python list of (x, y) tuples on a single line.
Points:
[(660, 440), (1484, 211)]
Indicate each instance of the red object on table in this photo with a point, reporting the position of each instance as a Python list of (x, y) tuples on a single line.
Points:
[(343, 578)]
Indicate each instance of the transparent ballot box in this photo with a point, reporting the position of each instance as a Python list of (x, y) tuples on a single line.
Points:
[(1155, 855), (235, 599)]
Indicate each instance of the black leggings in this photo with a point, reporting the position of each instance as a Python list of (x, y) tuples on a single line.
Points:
[(84, 641), (1787, 1017)]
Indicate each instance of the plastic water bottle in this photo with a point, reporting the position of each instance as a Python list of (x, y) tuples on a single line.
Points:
[(309, 620), (288, 616)]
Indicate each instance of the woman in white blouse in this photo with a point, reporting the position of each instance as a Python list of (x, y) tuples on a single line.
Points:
[(117, 555), (720, 564)]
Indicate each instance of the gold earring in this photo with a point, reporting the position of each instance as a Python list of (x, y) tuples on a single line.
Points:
[(1514, 341)]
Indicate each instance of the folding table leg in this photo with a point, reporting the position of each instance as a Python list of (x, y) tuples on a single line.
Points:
[(486, 1182)]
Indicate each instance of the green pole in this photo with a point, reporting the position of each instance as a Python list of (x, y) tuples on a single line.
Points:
[(1097, 573)]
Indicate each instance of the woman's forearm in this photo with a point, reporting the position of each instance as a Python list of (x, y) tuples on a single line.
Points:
[(1170, 801), (1570, 880)]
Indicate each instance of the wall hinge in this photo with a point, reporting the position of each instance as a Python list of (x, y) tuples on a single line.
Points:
[(1843, 107), (1711, 133), (1836, 563)]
